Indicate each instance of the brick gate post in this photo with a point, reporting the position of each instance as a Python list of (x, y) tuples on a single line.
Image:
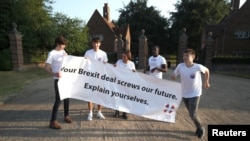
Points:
[(143, 51), (183, 41), (209, 50), (120, 47), (16, 48)]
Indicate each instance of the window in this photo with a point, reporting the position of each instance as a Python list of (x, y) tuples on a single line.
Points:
[(242, 34)]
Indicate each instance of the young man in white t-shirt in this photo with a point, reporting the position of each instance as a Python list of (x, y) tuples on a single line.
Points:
[(53, 66), (156, 63), (96, 54), (191, 86)]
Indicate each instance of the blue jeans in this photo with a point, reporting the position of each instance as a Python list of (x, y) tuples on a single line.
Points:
[(58, 102), (192, 105)]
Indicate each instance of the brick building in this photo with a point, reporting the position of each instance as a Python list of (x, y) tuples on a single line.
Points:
[(108, 31), (232, 35)]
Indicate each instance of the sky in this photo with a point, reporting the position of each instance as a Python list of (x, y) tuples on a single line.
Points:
[(84, 9)]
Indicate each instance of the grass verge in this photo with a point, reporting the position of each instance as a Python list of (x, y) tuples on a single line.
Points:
[(12, 82)]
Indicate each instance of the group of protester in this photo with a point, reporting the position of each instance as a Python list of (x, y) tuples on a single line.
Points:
[(189, 72)]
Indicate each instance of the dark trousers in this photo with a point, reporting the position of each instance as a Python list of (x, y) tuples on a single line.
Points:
[(58, 102), (192, 105)]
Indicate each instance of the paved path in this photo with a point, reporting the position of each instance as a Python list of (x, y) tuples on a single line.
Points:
[(26, 116)]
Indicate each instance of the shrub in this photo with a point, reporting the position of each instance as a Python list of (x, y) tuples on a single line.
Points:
[(5, 60), (231, 60)]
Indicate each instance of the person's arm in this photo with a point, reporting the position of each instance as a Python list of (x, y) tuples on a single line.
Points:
[(133, 67), (175, 73), (105, 61), (146, 68), (49, 70), (207, 77), (173, 76), (163, 68)]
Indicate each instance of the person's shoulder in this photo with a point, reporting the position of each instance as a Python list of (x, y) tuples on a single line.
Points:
[(181, 65), (102, 51), (52, 52), (160, 56), (131, 62), (119, 60), (198, 65), (90, 50)]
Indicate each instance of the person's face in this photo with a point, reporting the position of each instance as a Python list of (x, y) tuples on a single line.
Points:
[(155, 51), (124, 58), (188, 57), (96, 45), (61, 46)]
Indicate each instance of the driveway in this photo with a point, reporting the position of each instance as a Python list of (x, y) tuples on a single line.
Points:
[(26, 116)]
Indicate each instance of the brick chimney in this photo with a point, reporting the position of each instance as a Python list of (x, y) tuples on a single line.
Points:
[(235, 5), (106, 12)]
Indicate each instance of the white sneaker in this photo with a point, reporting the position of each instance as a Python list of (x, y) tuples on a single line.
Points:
[(100, 115), (90, 116)]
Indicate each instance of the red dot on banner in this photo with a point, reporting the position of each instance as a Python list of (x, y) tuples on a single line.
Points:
[(167, 105)]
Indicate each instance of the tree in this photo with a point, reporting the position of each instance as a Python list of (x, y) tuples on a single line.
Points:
[(39, 26), (32, 19), (194, 15), (74, 31), (139, 16), (4, 7)]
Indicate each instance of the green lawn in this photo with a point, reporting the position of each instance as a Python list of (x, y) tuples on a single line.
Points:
[(12, 82)]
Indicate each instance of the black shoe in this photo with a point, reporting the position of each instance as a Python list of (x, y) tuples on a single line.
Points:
[(196, 132), (200, 132), (116, 114), (124, 115)]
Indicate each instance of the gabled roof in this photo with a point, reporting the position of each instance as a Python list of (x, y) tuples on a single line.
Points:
[(111, 25), (122, 30)]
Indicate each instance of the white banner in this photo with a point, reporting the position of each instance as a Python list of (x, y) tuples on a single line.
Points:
[(120, 89)]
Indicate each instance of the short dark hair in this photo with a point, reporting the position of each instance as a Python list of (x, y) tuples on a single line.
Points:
[(189, 51), (155, 47), (60, 40), (96, 39), (128, 53)]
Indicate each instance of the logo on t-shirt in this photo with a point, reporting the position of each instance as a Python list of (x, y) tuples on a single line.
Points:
[(192, 76)]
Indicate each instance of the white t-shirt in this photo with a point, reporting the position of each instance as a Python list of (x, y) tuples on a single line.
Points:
[(129, 65), (55, 59), (191, 81), (100, 55), (154, 62)]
